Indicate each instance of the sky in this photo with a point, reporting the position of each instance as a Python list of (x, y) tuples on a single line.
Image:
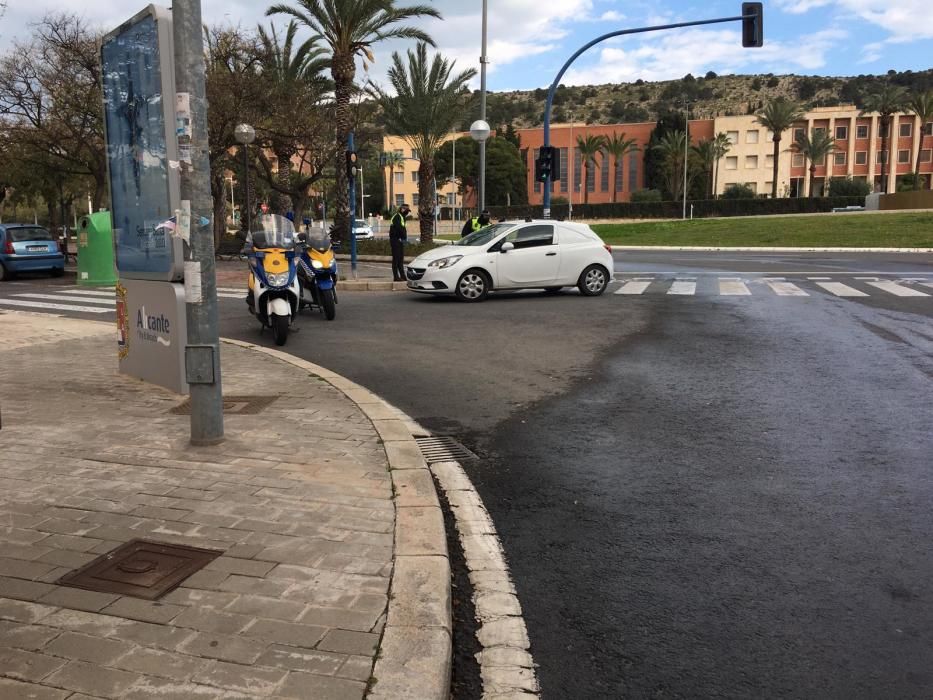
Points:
[(529, 40)]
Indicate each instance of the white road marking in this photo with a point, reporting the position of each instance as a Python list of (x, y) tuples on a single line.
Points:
[(228, 295), (867, 279), (927, 284), (897, 289), (56, 307), (231, 290), (819, 278), (91, 293), (840, 289), (733, 288), (67, 297), (786, 289), (683, 287), (634, 287)]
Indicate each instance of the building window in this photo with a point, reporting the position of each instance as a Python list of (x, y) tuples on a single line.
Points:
[(906, 130), (633, 172), (821, 162), (604, 172), (414, 200), (926, 155), (732, 162), (619, 168), (861, 157), (733, 137), (753, 186), (399, 178), (769, 161), (591, 176), (799, 133), (842, 133), (537, 183), (564, 175), (883, 130), (399, 200), (414, 154), (414, 176), (928, 129), (903, 156), (451, 199), (768, 186), (839, 158), (819, 129), (751, 136), (797, 160), (861, 131), (769, 135), (882, 156), (751, 162), (577, 167)]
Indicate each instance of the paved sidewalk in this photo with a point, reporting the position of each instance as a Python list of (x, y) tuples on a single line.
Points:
[(299, 500)]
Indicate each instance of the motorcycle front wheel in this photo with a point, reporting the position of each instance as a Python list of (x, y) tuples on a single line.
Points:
[(329, 302), (279, 328)]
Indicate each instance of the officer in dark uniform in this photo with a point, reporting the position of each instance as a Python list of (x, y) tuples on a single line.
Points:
[(475, 224), (397, 237)]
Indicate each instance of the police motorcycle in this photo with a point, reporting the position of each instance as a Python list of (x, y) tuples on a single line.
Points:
[(273, 284), (317, 273)]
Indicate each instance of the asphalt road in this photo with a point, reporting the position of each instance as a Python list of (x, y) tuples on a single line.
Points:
[(700, 495)]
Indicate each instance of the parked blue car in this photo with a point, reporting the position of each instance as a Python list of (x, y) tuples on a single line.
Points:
[(28, 248)]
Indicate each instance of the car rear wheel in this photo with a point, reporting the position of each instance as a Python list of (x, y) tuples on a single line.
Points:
[(473, 285), (593, 281)]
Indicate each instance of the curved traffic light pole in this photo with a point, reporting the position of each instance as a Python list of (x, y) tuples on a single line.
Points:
[(641, 30)]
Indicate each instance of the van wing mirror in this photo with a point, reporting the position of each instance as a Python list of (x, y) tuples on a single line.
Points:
[(507, 246)]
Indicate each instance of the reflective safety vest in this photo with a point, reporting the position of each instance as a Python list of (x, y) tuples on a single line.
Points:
[(401, 219), (475, 224)]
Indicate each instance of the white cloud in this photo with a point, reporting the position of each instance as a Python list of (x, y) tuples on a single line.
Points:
[(611, 16), (699, 50), (798, 7), (905, 20)]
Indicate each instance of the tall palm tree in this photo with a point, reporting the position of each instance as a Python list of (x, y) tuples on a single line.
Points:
[(705, 154), (289, 70), (815, 147), (778, 115), (921, 104), (887, 102), (428, 103), (721, 144), (349, 28), (671, 148), (618, 147), (590, 146), (392, 160)]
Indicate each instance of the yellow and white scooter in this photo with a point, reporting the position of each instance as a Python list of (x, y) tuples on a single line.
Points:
[(273, 281)]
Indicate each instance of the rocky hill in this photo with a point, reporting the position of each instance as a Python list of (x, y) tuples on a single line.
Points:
[(711, 95)]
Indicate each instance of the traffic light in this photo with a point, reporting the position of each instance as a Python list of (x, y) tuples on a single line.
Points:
[(547, 165), (752, 24), (351, 164)]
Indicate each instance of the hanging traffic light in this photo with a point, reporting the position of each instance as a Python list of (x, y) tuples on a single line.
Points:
[(752, 24), (351, 164)]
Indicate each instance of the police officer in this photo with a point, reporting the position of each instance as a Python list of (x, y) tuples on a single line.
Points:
[(475, 224), (397, 237)]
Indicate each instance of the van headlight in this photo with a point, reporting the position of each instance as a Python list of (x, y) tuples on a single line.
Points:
[(445, 262), (278, 280)]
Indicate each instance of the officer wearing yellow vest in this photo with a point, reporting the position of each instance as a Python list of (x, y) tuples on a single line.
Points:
[(475, 224), (398, 234)]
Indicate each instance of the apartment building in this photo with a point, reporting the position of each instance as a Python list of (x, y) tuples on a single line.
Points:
[(859, 153), (405, 176), (629, 176)]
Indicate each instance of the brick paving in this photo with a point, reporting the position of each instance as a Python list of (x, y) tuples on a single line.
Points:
[(298, 499)]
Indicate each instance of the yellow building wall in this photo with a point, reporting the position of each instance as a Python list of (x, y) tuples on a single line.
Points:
[(405, 187)]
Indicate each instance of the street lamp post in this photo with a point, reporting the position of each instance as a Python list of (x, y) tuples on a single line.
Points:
[(362, 196), (479, 132), (571, 163), (686, 147), (482, 118), (245, 135)]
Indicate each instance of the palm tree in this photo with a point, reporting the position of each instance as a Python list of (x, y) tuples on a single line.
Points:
[(349, 28), (887, 102), (618, 146), (722, 144), (287, 72), (705, 153), (816, 147), (778, 116), (671, 148), (590, 146), (921, 104), (392, 160), (428, 103)]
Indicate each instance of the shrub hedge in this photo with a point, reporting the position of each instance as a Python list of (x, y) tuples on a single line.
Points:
[(673, 210)]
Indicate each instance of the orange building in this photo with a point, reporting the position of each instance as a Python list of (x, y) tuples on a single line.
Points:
[(629, 174)]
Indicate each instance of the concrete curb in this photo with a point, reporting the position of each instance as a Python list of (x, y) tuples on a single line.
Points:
[(767, 249), (414, 658), (370, 285)]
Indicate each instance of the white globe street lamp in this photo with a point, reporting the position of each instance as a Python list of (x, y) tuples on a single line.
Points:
[(479, 132)]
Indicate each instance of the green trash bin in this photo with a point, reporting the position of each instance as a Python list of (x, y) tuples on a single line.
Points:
[(95, 251)]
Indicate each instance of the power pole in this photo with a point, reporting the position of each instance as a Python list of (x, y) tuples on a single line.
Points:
[(202, 355), (482, 116)]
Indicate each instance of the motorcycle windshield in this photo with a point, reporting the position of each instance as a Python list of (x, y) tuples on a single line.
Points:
[(319, 241), (274, 231)]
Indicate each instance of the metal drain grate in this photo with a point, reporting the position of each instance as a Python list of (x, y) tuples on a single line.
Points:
[(233, 405), (443, 449), (140, 568)]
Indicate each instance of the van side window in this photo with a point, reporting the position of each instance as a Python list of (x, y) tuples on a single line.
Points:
[(532, 236)]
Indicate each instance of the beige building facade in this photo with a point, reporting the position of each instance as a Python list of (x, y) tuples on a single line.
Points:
[(405, 177), (858, 153)]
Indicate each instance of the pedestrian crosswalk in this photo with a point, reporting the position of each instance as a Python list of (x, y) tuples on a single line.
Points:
[(98, 301), (712, 285)]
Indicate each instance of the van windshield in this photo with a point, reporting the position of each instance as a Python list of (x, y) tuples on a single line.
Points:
[(484, 235)]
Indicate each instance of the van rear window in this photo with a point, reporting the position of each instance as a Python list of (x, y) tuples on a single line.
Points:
[(31, 233)]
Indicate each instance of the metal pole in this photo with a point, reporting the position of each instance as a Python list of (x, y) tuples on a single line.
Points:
[(362, 196), (352, 198), (686, 157), (571, 164), (453, 177), (246, 186), (482, 115), (207, 416)]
